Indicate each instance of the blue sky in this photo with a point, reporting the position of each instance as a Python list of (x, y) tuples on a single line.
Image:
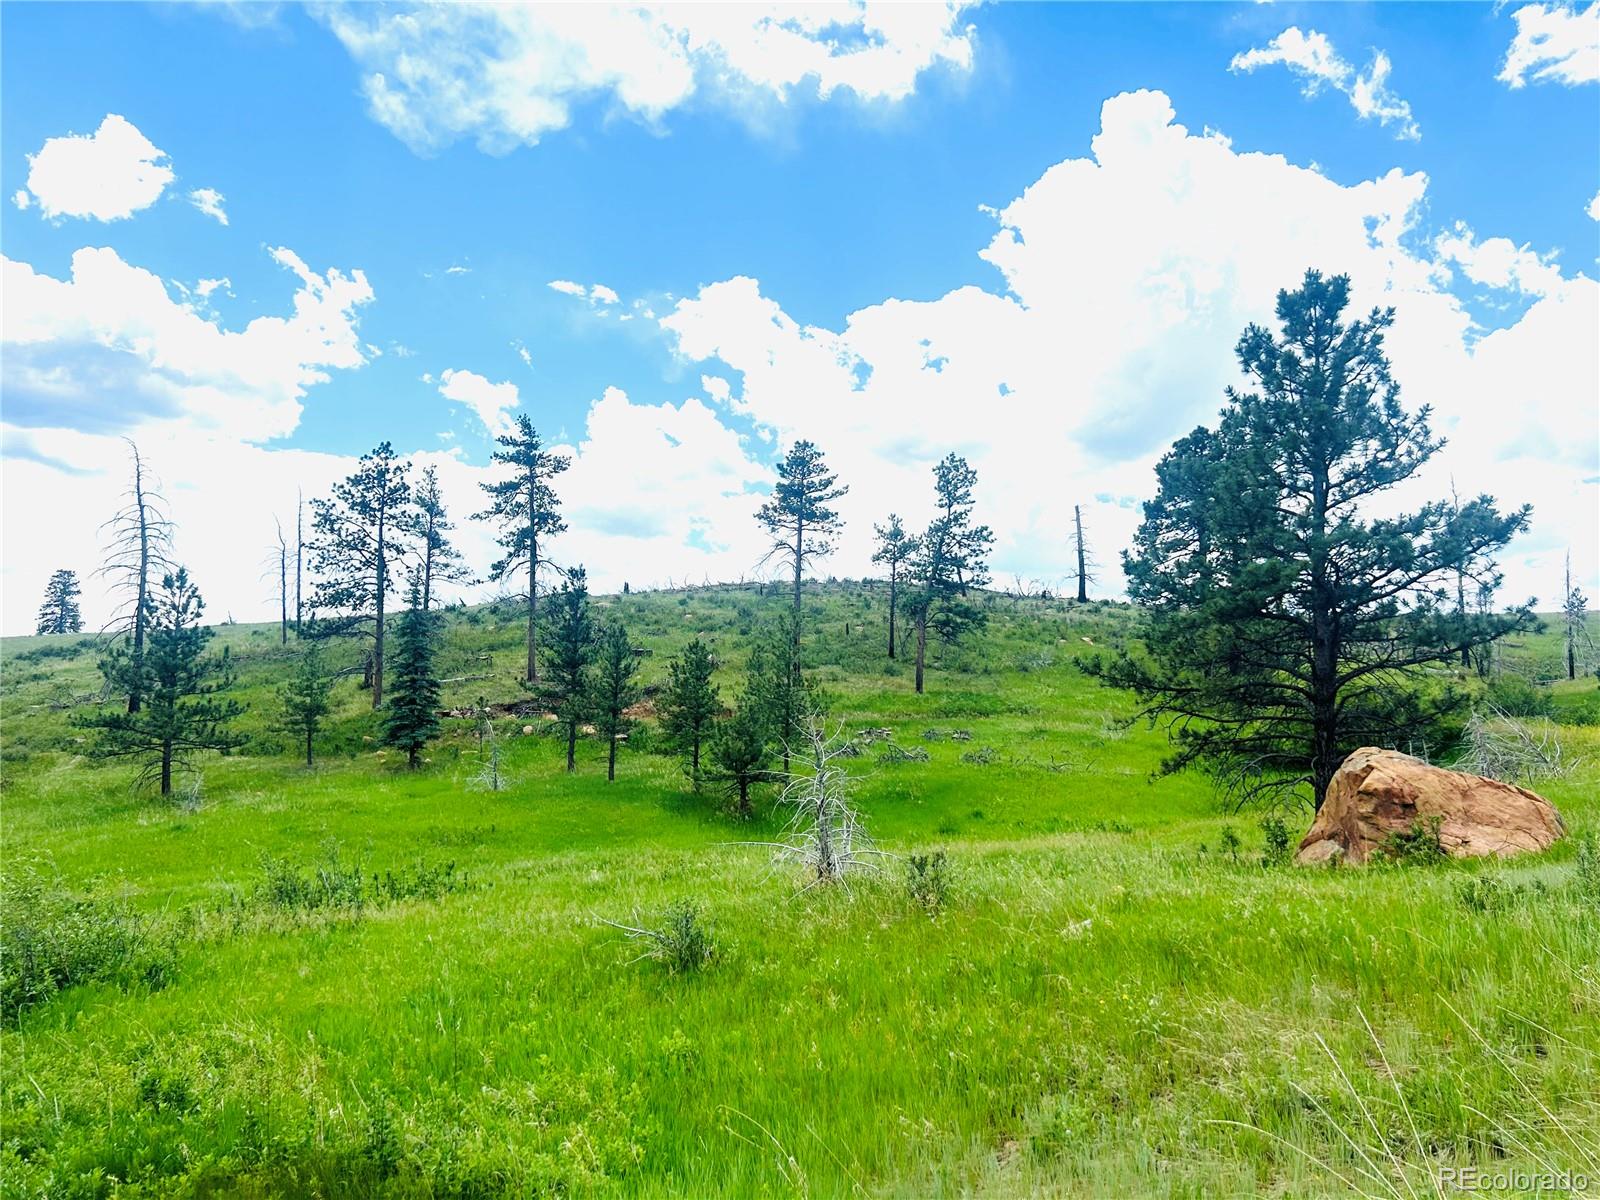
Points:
[(671, 175)]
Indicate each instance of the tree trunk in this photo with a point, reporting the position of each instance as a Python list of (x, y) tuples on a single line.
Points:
[(1572, 652), (1083, 566), (135, 698), (308, 747), (299, 554), (922, 646), (166, 769), (377, 644), (572, 746), (611, 760), (891, 608), (744, 796), (694, 761), (283, 591), (411, 759), (533, 608)]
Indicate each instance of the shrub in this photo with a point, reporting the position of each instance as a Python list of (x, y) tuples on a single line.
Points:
[(1275, 833), (51, 940), (1419, 845), (1488, 894), (1228, 842), (683, 943), (1516, 697), (928, 880), (1586, 871), (337, 884)]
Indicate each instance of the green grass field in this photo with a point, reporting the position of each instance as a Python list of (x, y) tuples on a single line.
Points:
[(1111, 1002)]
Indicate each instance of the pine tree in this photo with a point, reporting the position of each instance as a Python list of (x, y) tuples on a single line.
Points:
[(358, 542), (690, 704), (569, 650), (1574, 612), (528, 512), (797, 516), (303, 700), (139, 554), (615, 688), (895, 547), (949, 557), (741, 752), (775, 688), (1287, 623), (437, 559), (180, 713), (59, 613), (412, 720)]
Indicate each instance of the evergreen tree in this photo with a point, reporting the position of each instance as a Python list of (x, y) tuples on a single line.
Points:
[(412, 720), (615, 688), (1574, 612), (303, 700), (803, 526), (138, 555), (437, 559), (358, 542), (895, 547), (180, 712), (967, 544), (59, 613), (797, 515), (774, 687), (741, 752), (569, 650), (690, 704), (1286, 623), (528, 512), (949, 557)]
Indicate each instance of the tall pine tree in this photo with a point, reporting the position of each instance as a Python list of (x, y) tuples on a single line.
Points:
[(358, 542), (180, 713), (59, 613), (949, 557), (895, 546), (528, 512), (690, 704), (569, 652), (437, 559), (798, 516), (412, 720), (1287, 621)]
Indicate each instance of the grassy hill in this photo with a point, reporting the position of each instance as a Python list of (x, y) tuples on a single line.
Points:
[(359, 981)]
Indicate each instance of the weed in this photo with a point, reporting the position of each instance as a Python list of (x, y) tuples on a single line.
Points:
[(928, 880), (1275, 833), (1416, 846)]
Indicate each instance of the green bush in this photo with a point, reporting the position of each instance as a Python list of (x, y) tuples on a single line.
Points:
[(51, 940), (1516, 697), (1419, 845), (1275, 833), (928, 880)]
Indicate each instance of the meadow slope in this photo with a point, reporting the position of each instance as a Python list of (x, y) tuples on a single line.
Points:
[(1118, 997)]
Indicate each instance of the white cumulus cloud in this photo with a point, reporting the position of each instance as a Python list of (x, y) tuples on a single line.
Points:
[(209, 201), (1130, 274), (1312, 57), (1554, 43), (108, 348), (508, 74), (492, 403), (106, 175)]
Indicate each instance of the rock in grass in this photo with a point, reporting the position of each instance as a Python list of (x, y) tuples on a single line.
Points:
[(1378, 793)]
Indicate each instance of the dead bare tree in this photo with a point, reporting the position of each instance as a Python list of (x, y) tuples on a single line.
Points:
[(824, 834), (299, 559), (1084, 563), (283, 584), (1497, 745), (139, 548)]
